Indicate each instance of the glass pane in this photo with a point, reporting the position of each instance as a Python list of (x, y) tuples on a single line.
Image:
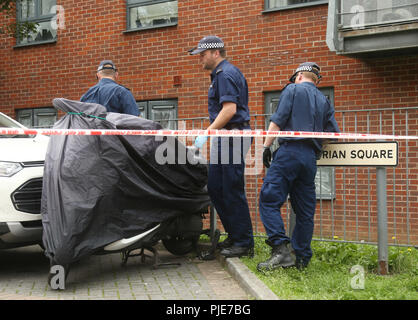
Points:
[(290, 2), (46, 6), (25, 118), (277, 3), (153, 15), (138, 1), (324, 183), (142, 107), (163, 117), (27, 9), (45, 119), (44, 32), (358, 13), (285, 3)]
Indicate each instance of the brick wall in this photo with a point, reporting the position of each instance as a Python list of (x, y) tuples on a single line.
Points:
[(266, 47)]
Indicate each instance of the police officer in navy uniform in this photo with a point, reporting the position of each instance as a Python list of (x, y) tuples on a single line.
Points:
[(302, 107), (228, 109), (115, 97)]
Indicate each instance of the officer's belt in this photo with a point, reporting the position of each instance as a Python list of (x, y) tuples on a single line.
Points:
[(307, 142), (238, 125)]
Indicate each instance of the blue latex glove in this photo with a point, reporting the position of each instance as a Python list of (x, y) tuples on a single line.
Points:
[(200, 141)]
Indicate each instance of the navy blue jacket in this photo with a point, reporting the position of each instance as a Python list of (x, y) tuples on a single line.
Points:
[(302, 107), (114, 97), (228, 85)]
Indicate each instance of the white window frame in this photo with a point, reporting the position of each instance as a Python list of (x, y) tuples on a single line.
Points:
[(38, 18), (287, 6), (170, 21)]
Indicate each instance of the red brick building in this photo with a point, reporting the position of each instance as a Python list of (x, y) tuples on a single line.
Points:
[(368, 57)]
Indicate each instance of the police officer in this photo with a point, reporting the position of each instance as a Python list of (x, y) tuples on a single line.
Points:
[(115, 97), (228, 109), (302, 107)]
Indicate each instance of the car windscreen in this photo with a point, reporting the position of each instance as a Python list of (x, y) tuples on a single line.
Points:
[(7, 123)]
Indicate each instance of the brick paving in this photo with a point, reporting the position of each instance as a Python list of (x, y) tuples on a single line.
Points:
[(23, 276)]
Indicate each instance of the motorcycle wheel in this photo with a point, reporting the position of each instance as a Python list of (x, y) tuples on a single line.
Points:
[(180, 246)]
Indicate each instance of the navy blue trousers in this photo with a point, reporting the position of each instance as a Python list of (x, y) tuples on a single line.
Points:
[(292, 172), (226, 187)]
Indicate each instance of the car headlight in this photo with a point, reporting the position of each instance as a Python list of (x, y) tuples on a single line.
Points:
[(7, 169)]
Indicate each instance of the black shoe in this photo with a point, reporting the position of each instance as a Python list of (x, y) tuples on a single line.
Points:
[(225, 244), (235, 251), (281, 257), (301, 264)]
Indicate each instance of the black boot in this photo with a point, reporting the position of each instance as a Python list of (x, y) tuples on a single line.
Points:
[(281, 257), (235, 251), (225, 244), (301, 264)]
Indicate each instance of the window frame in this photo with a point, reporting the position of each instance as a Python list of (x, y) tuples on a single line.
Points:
[(292, 6), (342, 26), (38, 18), (329, 172), (34, 114), (142, 4), (145, 108)]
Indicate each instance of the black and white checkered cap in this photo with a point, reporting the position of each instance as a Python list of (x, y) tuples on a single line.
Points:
[(307, 67), (209, 42)]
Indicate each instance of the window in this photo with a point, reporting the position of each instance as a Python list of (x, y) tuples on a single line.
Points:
[(358, 27), (360, 14), (164, 112), (289, 4), (37, 118), (325, 176), (145, 14), (41, 12)]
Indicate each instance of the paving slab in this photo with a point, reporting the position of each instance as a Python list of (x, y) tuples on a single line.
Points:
[(24, 271)]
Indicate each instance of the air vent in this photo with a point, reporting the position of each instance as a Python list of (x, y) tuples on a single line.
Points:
[(27, 198)]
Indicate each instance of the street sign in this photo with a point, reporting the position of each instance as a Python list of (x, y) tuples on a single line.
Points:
[(370, 154)]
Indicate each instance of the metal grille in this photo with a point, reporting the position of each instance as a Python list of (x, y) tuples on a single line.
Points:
[(27, 198)]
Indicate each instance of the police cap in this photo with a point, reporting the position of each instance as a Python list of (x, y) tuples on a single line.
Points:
[(306, 67), (209, 42)]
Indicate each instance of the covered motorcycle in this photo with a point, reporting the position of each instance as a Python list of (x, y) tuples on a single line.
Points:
[(100, 189)]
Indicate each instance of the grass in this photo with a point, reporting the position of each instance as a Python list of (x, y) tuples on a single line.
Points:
[(328, 275)]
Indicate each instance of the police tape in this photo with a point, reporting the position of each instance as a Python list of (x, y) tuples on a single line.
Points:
[(194, 133)]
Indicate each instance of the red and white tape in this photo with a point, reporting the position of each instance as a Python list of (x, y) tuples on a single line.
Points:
[(194, 133)]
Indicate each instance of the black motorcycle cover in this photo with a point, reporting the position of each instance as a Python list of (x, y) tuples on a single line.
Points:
[(99, 189)]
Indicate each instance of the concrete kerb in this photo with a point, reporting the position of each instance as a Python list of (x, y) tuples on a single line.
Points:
[(246, 279)]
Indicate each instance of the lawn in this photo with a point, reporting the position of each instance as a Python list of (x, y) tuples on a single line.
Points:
[(336, 273)]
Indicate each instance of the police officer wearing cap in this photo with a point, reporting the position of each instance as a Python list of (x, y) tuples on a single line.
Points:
[(228, 109), (115, 97), (302, 107)]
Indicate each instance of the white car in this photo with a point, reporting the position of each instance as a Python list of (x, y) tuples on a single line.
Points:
[(21, 171)]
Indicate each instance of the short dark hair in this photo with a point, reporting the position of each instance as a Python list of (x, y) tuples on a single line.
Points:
[(222, 51), (108, 72)]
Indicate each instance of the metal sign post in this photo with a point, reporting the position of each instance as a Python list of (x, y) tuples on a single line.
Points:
[(382, 221)]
